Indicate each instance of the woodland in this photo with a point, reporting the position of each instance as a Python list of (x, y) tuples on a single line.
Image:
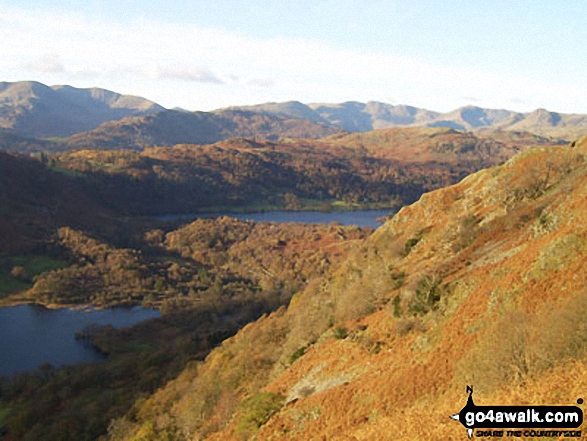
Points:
[(267, 327)]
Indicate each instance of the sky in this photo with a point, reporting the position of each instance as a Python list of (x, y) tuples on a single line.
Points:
[(207, 54)]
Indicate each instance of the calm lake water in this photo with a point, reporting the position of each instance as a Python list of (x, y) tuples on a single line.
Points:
[(31, 335), (363, 218)]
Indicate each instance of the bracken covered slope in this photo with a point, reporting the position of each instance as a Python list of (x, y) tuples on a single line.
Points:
[(480, 283)]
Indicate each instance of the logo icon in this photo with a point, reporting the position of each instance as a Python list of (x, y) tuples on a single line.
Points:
[(520, 417)]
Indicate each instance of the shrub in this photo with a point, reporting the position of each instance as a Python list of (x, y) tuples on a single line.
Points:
[(405, 326), (297, 354), (257, 410), (426, 296), (19, 273), (410, 243), (397, 309), (397, 279), (340, 332)]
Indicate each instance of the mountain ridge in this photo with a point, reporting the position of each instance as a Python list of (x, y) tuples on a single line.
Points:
[(354, 116), (33, 109)]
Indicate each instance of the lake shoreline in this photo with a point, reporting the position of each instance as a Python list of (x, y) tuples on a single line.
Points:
[(35, 335), (17, 300), (372, 218)]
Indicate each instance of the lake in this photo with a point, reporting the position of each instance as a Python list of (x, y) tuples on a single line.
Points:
[(362, 218), (32, 335)]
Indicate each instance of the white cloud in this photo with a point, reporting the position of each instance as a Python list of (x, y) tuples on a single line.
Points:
[(261, 82), (183, 73), (471, 99), (46, 64), (221, 68)]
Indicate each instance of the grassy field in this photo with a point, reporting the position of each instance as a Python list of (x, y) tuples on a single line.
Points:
[(33, 266)]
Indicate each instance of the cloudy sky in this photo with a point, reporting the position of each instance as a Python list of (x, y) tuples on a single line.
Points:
[(206, 54)]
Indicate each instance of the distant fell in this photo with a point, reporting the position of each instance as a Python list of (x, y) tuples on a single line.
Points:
[(472, 117), (33, 109), (99, 118), (355, 116), (290, 109), (173, 127), (350, 116)]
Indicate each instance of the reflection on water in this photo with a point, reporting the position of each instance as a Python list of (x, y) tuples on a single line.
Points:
[(363, 218), (31, 335)]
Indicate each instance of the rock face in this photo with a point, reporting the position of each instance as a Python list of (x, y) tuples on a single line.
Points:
[(480, 283)]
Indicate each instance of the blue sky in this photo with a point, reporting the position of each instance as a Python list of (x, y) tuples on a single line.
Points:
[(202, 55)]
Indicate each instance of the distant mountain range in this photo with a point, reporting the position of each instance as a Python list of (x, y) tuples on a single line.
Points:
[(35, 110), (98, 118), (363, 117)]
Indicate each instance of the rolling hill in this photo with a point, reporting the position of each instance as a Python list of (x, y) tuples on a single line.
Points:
[(173, 127), (385, 167)]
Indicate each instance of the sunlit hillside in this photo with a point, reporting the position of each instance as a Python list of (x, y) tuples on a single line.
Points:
[(480, 283)]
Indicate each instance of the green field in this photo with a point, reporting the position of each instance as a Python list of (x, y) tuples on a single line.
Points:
[(33, 266)]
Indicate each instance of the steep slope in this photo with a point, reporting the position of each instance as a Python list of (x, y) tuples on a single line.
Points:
[(480, 283), (33, 109), (177, 127)]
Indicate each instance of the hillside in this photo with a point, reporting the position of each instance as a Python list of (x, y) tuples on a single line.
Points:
[(386, 167), (480, 283), (208, 278), (177, 127), (383, 168), (36, 201), (32, 109), (16, 143)]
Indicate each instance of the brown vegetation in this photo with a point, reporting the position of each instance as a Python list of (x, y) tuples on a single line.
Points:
[(386, 167), (209, 279), (472, 313)]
